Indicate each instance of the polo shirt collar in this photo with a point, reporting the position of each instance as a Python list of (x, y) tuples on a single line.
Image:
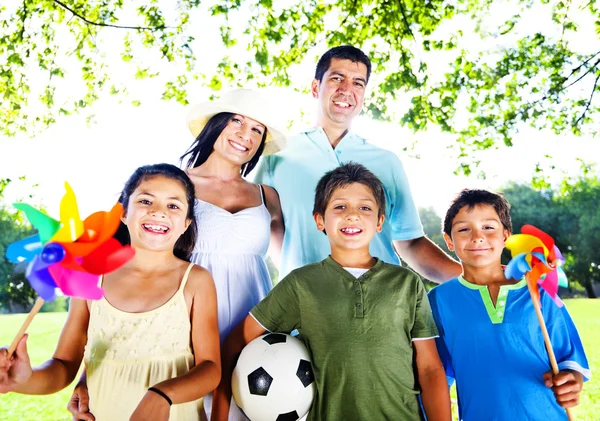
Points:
[(318, 136), (332, 264)]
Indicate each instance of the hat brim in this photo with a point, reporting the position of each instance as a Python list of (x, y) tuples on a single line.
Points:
[(200, 114)]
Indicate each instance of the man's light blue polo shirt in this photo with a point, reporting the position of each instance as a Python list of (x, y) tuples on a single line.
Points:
[(295, 171)]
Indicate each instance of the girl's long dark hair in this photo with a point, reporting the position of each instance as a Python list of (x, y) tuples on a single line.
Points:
[(203, 146), (186, 243)]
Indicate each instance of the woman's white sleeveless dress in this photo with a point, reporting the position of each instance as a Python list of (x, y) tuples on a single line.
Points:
[(232, 247)]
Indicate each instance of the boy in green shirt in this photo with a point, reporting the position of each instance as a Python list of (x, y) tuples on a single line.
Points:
[(366, 323)]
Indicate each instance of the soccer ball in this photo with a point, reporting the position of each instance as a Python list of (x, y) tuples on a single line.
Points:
[(273, 379)]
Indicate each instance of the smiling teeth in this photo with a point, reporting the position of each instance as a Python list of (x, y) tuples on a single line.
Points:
[(238, 147), (351, 230), (157, 228), (341, 104)]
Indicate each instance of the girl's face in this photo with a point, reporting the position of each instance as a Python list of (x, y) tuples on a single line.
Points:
[(156, 215), (240, 139)]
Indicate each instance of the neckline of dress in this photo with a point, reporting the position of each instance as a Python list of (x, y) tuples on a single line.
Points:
[(226, 211)]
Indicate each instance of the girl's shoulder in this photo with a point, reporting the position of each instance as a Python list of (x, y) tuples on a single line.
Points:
[(199, 278)]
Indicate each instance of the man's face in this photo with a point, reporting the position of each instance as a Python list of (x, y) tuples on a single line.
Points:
[(341, 92)]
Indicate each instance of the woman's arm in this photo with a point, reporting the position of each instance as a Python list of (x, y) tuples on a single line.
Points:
[(58, 372), (239, 337), (432, 379), (277, 227)]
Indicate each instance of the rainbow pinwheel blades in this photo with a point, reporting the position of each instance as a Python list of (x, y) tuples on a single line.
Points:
[(535, 254), (70, 254)]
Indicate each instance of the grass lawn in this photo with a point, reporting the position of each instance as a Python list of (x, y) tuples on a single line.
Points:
[(45, 329)]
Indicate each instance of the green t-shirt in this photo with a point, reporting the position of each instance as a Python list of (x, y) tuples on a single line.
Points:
[(359, 333)]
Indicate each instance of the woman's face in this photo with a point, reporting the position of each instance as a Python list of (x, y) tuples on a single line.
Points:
[(240, 139)]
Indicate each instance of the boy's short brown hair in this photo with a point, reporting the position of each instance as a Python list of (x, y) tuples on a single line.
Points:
[(342, 176), (473, 197)]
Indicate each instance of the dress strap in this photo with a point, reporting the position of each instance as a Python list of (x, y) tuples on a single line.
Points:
[(262, 193), (185, 276)]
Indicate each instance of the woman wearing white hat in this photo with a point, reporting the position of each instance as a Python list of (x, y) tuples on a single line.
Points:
[(236, 218)]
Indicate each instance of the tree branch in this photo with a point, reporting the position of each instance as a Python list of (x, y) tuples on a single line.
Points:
[(589, 103), (108, 25), (576, 69), (405, 19), (583, 75)]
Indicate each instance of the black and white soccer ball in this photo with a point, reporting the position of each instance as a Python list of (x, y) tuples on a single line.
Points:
[(273, 379)]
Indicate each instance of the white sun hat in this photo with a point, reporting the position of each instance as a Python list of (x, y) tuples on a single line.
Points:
[(246, 102)]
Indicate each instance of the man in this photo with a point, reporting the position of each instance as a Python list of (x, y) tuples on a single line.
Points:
[(339, 86)]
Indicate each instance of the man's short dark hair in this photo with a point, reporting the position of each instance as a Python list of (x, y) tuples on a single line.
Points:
[(470, 198), (343, 52), (343, 176)]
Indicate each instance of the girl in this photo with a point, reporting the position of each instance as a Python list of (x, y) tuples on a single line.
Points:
[(236, 218), (151, 344)]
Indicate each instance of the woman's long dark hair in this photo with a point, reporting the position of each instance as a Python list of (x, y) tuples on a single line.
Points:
[(185, 244), (203, 146)]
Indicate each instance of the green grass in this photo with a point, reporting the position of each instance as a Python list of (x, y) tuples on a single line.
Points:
[(45, 329)]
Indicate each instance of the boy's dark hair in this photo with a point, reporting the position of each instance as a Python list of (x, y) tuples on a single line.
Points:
[(473, 197), (202, 147), (342, 52), (342, 176), (186, 243)]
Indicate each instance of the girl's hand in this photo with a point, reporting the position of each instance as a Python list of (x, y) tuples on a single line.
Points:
[(15, 370), (152, 407), (79, 403)]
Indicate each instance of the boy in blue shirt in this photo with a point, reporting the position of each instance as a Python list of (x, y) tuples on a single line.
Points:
[(489, 340)]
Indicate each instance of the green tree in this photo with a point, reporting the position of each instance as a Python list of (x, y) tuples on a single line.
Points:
[(571, 216), (579, 200), (15, 291), (512, 76)]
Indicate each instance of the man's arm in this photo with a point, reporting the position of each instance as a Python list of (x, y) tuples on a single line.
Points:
[(427, 259), (432, 379)]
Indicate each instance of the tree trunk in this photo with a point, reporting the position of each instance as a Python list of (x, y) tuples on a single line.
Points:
[(589, 288)]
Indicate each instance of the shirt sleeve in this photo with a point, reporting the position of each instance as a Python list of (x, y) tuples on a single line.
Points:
[(262, 173), (280, 310), (424, 325), (403, 215), (440, 341), (566, 342)]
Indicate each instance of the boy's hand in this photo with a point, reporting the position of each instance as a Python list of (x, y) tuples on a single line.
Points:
[(566, 385), (15, 370)]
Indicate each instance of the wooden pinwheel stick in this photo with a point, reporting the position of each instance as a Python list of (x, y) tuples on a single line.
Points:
[(36, 308), (534, 293)]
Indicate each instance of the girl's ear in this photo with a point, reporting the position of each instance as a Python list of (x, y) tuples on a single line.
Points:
[(187, 223), (507, 234), (124, 216), (449, 242)]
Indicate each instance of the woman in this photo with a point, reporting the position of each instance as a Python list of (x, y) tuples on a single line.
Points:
[(234, 215), (235, 218)]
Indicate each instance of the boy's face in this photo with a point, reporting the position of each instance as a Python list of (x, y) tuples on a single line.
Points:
[(351, 217), (478, 237)]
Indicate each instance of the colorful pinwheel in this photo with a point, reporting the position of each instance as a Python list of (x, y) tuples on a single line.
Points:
[(535, 254), (68, 254)]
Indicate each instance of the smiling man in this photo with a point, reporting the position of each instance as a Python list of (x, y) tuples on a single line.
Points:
[(339, 86)]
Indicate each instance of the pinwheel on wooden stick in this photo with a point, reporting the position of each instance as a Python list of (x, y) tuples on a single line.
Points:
[(68, 255)]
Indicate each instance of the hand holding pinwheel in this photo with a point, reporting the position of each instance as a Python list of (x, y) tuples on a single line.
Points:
[(535, 256), (69, 254)]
